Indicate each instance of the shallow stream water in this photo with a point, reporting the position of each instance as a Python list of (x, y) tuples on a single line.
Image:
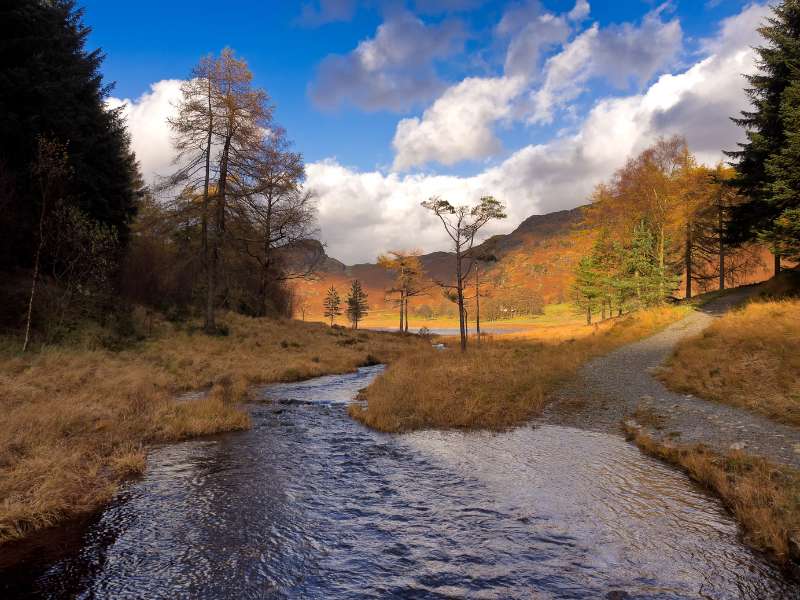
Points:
[(310, 504)]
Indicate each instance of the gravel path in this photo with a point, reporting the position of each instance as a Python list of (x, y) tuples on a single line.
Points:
[(609, 389)]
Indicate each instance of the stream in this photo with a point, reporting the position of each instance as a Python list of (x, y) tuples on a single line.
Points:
[(310, 504)]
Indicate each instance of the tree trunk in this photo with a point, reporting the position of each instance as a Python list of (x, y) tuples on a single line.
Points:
[(588, 315), (405, 309), (721, 233), (210, 325), (477, 306), (460, 299), (219, 227), (661, 261), (402, 316), (688, 258), (777, 264), (36, 262)]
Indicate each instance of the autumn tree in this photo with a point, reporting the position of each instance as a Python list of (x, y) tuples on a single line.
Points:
[(193, 130), (332, 305), (219, 129), (407, 283), (50, 171), (462, 224), (357, 306), (275, 213)]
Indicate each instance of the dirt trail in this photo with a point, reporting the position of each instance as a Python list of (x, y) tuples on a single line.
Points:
[(612, 387)]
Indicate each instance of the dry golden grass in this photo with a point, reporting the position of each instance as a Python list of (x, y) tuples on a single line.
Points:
[(497, 385), (749, 358), (76, 420), (763, 497)]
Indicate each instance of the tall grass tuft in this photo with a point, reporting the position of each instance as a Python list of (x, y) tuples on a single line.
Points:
[(497, 385)]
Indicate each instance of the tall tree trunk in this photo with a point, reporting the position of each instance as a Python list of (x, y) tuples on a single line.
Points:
[(402, 315), (777, 264), (661, 263), (688, 258), (35, 280), (588, 315), (460, 301), (405, 310), (210, 325), (219, 233), (721, 234), (477, 306)]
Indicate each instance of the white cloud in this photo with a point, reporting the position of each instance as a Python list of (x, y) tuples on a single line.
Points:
[(364, 213), (617, 53), (460, 123), (147, 121), (393, 70), (580, 11), (458, 126)]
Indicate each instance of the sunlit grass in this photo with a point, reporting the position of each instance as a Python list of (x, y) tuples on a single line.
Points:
[(77, 419), (764, 498), (501, 383), (749, 358)]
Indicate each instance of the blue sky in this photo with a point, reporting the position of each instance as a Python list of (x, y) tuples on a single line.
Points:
[(391, 100)]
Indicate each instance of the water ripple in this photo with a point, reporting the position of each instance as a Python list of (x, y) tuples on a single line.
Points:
[(309, 504)]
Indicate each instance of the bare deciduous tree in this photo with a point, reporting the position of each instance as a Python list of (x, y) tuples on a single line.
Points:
[(462, 224)]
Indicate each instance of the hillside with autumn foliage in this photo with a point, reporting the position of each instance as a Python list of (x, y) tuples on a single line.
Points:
[(530, 267)]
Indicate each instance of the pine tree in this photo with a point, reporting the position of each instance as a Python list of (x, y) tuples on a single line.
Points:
[(647, 278), (357, 306), (332, 305), (766, 164), (588, 287), (783, 168), (51, 86)]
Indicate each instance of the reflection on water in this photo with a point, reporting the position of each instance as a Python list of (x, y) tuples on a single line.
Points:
[(310, 504), (447, 331)]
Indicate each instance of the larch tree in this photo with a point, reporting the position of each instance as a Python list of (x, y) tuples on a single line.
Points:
[(193, 131), (218, 131), (332, 305), (276, 214), (462, 224), (357, 306), (408, 279)]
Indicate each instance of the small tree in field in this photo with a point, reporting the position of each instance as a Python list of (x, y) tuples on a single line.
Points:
[(357, 306), (332, 305), (462, 224)]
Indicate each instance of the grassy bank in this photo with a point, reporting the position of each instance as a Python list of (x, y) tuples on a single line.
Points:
[(77, 418), (764, 498), (497, 385), (749, 358)]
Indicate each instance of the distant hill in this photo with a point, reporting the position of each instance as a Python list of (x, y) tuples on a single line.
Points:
[(535, 265)]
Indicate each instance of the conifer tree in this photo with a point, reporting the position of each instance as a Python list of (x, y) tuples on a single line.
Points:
[(332, 305), (357, 306), (588, 287), (51, 85), (767, 162)]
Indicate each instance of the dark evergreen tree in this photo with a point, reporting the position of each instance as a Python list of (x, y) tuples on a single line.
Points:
[(767, 163), (51, 86)]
